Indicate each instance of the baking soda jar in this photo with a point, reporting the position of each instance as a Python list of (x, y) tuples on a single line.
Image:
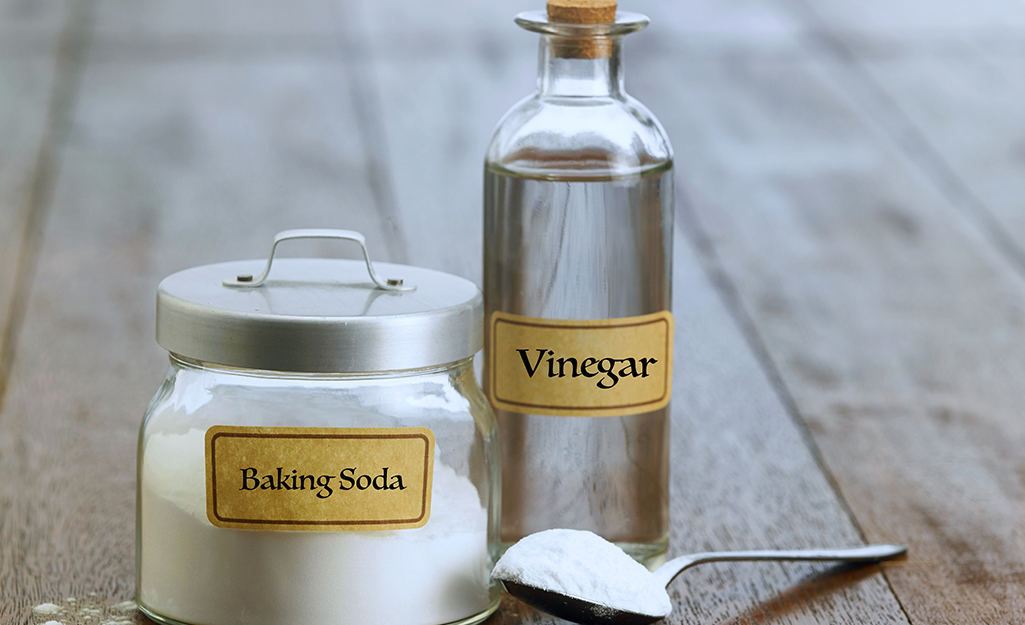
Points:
[(320, 451), (578, 247)]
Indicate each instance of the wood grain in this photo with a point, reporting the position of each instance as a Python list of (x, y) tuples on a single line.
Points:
[(848, 336), (966, 112), (35, 116), (23, 106), (914, 22), (744, 477), (30, 29), (890, 319), (185, 20)]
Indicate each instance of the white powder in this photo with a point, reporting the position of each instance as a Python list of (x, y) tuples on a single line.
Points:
[(584, 565), (47, 608), (194, 572)]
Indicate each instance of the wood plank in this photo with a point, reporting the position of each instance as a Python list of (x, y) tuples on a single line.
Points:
[(890, 318), (916, 21), (965, 127), (222, 155), (967, 113), (24, 101), (169, 165), (743, 477), (30, 28), (438, 113), (40, 76), (703, 25), (202, 22), (950, 95)]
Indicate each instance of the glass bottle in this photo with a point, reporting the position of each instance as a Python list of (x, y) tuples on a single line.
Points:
[(578, 226)]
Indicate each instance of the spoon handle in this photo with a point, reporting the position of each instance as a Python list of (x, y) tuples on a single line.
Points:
[(869, 553)]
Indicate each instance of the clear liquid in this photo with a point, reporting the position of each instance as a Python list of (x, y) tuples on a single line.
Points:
[(582, 247)]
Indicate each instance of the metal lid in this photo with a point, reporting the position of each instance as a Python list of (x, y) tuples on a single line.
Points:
[(319, 315)]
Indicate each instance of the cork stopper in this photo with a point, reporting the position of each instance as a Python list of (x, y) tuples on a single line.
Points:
[(582, 12)]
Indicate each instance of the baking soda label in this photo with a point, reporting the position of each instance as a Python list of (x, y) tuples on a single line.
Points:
[(279, 478), (580, 368)]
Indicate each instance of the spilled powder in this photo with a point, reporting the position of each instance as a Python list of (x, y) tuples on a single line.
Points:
[(47, 608), (91, 609), (583, 565)]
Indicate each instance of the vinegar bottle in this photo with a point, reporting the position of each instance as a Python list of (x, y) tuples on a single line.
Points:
[(578, 230)]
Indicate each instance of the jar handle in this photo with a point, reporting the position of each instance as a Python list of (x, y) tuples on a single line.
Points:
[(246, 281)]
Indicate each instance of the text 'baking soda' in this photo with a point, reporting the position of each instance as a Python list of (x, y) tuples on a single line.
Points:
[(347, 480)]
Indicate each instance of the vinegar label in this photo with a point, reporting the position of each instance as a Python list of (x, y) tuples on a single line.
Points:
[(580, 368), (284, 478)]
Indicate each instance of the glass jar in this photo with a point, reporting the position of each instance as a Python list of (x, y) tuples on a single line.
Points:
[(320, 450), (578, 233)]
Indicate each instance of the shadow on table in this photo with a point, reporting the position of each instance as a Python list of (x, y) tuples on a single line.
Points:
[(814, 587)]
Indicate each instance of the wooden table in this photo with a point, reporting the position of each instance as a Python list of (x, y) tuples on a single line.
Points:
[(849, 273)]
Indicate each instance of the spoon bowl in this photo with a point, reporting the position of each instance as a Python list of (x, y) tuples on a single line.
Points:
[(581, 610), (575, 609)]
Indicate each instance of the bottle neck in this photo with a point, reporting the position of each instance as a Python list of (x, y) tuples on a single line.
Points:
[(579, 67)]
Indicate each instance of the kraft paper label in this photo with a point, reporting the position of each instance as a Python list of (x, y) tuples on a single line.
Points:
[(279, 478), (590, 368)]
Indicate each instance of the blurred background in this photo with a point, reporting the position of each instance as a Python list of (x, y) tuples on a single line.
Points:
[(850, 248), (226, 121)]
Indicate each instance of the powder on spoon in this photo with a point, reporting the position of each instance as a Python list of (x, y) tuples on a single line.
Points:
[(583, 565)]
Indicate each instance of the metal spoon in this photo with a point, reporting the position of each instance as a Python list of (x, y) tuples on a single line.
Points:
[(580, 610)]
